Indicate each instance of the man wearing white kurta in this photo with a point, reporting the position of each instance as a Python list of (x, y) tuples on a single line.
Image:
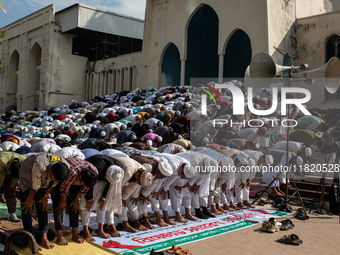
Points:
[(159, 197)]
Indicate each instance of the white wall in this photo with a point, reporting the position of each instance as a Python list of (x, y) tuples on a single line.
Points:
[(313, 34), (167, 21)]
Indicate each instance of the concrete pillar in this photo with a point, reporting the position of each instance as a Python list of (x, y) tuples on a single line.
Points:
[(182, 72), (220, 69)]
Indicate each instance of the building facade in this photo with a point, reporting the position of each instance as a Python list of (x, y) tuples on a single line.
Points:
[(77, 53)]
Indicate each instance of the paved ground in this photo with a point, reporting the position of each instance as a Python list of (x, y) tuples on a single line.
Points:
[(320, 235)]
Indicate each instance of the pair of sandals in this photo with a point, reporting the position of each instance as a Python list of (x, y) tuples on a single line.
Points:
[(301, 215), (286, 225), (178, 251), (291, 239)]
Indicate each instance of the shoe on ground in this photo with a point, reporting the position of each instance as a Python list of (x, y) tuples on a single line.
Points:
[(13, 218), (269, 227)]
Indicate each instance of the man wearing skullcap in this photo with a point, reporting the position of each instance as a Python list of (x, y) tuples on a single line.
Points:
[(156, 139), (135, 175), (165, 118), (125, 136), (96, 195), (137, 204)]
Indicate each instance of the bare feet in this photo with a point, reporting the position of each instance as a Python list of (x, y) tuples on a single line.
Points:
[(139, 226), (190, 217), (218, 207), (246, 203), (47, 244), (114, 232), (214, 210), (161, 222), (127, 227), (226, 207), (30, 246), (148, 225), (78, 239), (232, 205), (103, 234), (170, 222), (241, 206), (61, 241), (88, 237), (180, 219)]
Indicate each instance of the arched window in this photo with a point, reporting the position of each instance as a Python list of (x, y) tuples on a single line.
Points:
[(333, 50)]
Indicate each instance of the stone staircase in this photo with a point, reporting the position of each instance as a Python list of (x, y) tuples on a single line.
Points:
[(307, 181)]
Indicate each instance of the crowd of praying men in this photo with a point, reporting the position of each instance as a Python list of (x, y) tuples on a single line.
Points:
[(118, 154)]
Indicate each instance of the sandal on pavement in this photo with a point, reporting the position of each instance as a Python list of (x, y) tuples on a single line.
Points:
[(287, 224), (277, 224), (181, 251), (269, 227), (173, 249), (292, 239), (301, 215)]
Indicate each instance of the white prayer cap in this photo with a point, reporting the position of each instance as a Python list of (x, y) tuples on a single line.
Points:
[(218, 107), (308, 152), (269, 159), (206, 140), (123, 127), (157, 110), (179, 137), (257, 106), (299, 161), (102, 133), (150, 131), (51, 135), (159, 139), (165, 168), (149, 143), (188, 171), (160, 123), (178, 113), (242, 158), (114, 174), (148, 167), (133, 137), (226, 148)]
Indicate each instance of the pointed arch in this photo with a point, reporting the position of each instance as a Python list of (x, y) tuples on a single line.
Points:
[(13, 84), (34, 78), (238, 54), (171, 64), (202, 59)]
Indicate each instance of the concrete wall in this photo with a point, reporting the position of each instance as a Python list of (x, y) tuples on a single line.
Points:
[(306, 8), (21, 36), (281, 29), (104, 77), (60, 70), (313, 33), (167, 21)]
